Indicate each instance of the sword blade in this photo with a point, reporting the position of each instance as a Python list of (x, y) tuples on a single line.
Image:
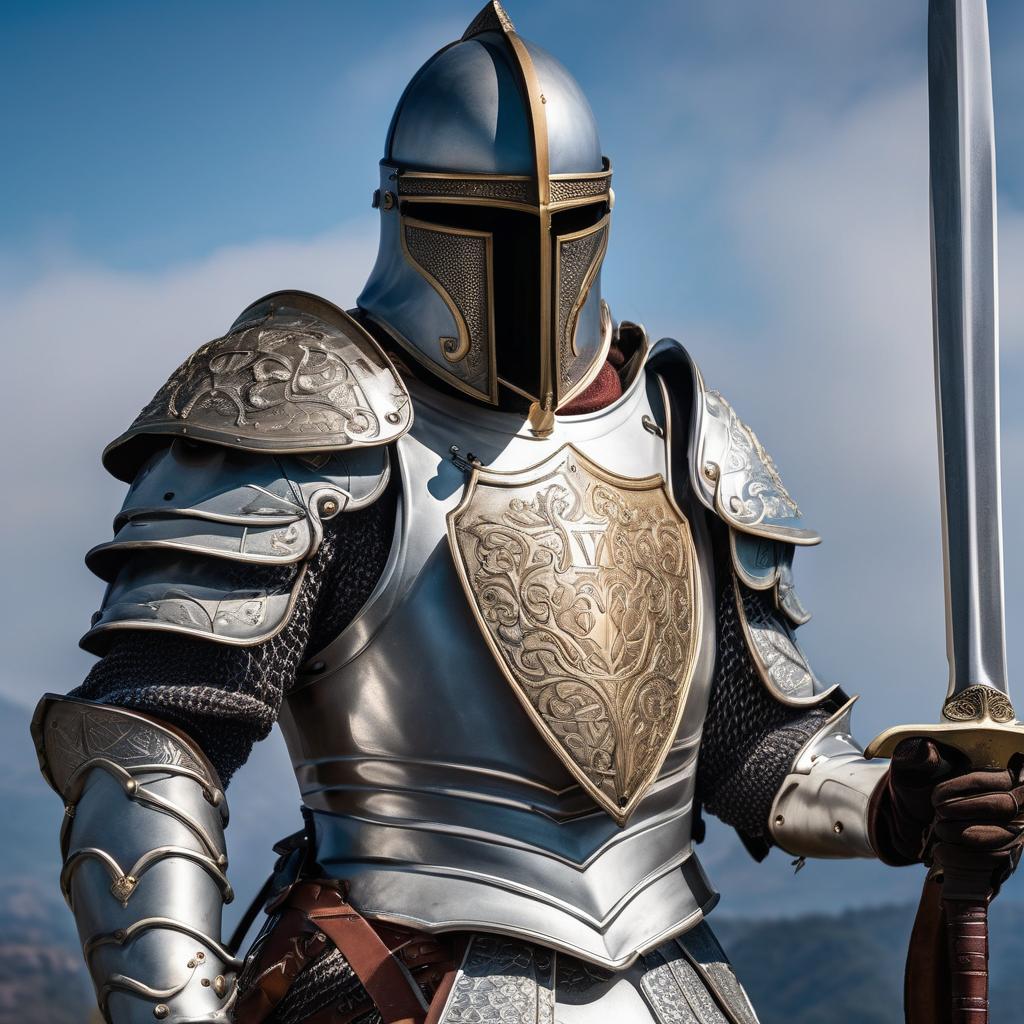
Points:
[(966, 337)]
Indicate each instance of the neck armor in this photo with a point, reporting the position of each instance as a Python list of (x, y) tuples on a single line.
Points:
[(495, 203)]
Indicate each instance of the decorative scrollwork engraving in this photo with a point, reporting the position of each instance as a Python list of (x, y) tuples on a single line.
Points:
[(584, 585), (977, 703), (80, 732), (738, 478), (281, 374), (294, 374)]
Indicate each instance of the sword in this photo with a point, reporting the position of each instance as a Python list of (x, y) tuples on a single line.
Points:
[(977, 717)]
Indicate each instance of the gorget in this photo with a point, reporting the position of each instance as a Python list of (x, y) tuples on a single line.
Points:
[(447, 798)]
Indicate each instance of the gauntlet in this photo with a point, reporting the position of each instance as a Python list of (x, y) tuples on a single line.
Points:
[(931, 809), (144, 862)]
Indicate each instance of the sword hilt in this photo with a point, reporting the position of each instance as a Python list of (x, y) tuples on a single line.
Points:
[(978, 722), (967, 935)]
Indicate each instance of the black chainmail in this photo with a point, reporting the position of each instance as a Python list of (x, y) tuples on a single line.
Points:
[(750, 739), (327, 981), (227, 698)]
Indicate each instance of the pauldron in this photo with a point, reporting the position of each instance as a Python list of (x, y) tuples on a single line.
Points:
[(736, 479), (144, 860), (260, 438)]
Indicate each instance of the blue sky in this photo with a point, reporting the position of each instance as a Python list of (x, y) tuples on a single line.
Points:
[(166, 163)]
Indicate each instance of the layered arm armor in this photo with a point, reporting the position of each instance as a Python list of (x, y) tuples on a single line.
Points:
[(778, 761), (144, 861), (242, 470)]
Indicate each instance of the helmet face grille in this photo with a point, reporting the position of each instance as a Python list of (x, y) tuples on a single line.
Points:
[(489, 264)]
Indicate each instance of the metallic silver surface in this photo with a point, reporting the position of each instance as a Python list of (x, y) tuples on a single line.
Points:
[(194, 509), (763, 564), (464, 111), (737, 478), (966, 331), (685, 981), (491, 124), (179, 593), (435, 795), (295, 374), (779, 660), (258, 509), (822, 806), (144, 861)]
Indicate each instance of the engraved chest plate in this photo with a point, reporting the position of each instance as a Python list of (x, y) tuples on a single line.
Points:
[(585, 586)]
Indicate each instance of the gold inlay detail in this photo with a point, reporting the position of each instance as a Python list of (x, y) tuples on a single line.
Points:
[(585, 586)]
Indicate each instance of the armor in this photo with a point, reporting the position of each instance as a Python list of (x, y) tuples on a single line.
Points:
[(495, 202), (512, 647), (144, 860)]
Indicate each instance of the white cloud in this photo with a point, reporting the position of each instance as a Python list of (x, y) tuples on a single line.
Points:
[(86, 349)]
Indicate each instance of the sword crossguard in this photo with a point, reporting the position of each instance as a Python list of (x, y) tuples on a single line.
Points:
[(979, 722)]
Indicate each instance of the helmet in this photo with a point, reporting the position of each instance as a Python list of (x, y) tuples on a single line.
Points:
[(495, 203)]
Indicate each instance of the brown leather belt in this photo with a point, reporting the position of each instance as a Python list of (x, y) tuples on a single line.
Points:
[(400, 969)]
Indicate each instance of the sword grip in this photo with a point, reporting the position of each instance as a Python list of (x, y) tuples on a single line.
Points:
[(967, 934)]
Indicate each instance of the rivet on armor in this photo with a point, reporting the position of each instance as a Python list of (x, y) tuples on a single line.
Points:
[(837, 828), (131, 786), (388, 201), (205, 982), (161, 1010), (393, 417), (220, 985), (328, 507), (711, 470), (200, 955), (191, 964), (168, 495), (780, 820)]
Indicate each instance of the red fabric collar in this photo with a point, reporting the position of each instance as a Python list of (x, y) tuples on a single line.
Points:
[(601, 392)]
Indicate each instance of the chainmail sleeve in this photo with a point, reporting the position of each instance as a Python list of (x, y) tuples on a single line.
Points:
[(226, 697), (750, 738)]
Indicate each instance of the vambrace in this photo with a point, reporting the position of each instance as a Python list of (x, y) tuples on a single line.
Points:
[(821, 809), (144, 861)]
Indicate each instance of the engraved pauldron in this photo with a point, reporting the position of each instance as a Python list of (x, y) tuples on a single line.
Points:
[(214, 542), (144, 860), (736, 477), (293, 374)]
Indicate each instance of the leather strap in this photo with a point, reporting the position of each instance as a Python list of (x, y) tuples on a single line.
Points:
[(392, 990)]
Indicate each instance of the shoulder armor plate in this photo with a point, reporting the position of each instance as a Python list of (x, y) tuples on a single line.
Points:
[(204, 528), (780, 662), (294, 374), (730, 471), (738, 478)]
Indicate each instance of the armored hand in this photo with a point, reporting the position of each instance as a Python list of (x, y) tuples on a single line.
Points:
[(933, 808), (144, 861)]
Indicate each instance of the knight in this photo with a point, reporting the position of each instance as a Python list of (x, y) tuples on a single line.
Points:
[(517, 586)]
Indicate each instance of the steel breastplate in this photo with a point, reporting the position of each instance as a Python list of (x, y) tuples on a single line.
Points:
[(437, 796)]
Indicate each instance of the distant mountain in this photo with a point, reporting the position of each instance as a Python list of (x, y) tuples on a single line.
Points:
[(848, 968)]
